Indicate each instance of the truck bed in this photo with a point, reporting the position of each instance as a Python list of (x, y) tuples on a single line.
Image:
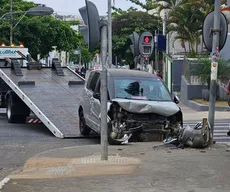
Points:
[(53, 96)]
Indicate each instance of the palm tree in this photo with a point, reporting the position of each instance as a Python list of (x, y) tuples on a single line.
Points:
[(185, 21), (185, 17)]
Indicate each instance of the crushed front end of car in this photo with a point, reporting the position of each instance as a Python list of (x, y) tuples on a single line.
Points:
[(143, 117)]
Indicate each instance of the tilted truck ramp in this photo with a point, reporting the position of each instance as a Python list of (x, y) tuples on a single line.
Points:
[(54, 99)]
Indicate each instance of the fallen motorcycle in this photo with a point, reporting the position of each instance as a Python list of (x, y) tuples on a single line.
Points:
[(198, 136)]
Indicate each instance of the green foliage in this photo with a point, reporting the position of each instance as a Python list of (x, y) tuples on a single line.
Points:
[(38, 33), (203, 70), (148, 5), (185, 17), (124, 24)]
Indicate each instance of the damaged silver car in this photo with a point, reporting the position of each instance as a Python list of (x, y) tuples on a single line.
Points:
[(138, 103)]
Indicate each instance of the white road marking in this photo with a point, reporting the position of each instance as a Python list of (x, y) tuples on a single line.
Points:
[(3, 182)]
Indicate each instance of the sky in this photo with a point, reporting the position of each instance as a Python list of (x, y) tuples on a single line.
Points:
[(70, 7)]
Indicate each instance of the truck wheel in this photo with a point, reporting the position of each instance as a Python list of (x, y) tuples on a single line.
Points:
[(13, 118), (9, 110), (84, 129)]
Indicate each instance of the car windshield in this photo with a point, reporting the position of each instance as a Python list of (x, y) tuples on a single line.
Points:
[(141, 89)]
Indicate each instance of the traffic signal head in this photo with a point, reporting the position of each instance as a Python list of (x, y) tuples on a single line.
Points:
[(146, 44), (135, 46), (147, 40), (91, 30)]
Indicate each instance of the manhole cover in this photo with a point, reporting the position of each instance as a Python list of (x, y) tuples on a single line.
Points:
[(59, 171)]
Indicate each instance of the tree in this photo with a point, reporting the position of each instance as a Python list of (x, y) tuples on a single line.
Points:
[(148, 5), (202, 70), (38, 33), (124, 24), (186, 22)]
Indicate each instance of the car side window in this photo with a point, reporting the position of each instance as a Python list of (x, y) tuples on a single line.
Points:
[(98, 89), (89, 80), (93, 81)]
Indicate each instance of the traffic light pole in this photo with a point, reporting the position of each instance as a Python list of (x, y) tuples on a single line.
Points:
[(104, 99), (214, 67)]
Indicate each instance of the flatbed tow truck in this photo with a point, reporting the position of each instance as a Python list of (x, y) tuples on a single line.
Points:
[(51, 93)]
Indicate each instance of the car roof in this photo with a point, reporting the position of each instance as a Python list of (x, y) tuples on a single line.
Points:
[(130, 73)]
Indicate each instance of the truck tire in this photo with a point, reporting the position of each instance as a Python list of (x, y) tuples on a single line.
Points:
[(9, 111), (12, 116), (84, 129)]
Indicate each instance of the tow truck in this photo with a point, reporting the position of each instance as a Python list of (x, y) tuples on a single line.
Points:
[(51, 93)]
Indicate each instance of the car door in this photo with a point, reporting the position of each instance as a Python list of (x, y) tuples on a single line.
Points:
[(86, 98), (91, 90), (96, 106)]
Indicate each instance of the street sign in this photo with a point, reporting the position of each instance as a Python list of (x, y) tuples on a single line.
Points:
[(161, 42), (97, 67), (77, 52), (207, 31), (11, 52)]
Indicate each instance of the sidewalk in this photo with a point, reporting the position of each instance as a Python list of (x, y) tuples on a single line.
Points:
[(190, 114), (134, 167)]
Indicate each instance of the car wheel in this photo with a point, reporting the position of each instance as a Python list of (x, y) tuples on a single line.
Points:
[(84, 129)]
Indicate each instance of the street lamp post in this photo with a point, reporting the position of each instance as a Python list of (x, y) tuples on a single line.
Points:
[(11, 21), (34, 11)]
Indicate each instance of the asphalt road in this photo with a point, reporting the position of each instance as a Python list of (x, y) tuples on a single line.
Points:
[(18, 142)]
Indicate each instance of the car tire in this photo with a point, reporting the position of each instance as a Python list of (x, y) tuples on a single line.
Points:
[(84, 129)]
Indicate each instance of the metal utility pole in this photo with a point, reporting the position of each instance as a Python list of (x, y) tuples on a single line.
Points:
[(142, 62), (214, 66), (80, 56), (109, 33), (104, 124), (11, 21), (156, 52), (164, 23)]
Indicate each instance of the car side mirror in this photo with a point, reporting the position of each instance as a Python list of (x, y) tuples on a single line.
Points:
[(97, 96), (176, 99)]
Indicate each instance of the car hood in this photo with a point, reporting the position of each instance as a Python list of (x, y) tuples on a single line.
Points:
[(165, 108)]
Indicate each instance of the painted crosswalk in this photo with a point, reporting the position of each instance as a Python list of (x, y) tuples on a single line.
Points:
[(221, 127)]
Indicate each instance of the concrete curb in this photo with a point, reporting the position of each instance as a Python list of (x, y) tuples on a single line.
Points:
[(199, 107)]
